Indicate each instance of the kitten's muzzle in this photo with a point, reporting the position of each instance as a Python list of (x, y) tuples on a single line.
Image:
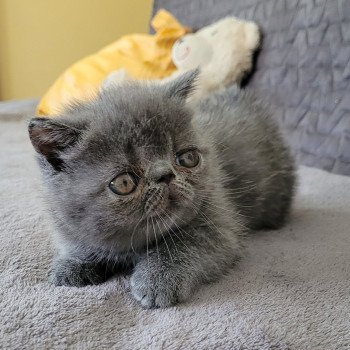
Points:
[(156, 198)]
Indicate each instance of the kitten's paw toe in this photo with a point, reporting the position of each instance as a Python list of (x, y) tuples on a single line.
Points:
[(156, 291), (145, 298), (71, 273), (151, 296), (62, 278)]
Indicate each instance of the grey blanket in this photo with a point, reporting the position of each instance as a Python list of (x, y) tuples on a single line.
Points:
[(303, 67), (291, 290)]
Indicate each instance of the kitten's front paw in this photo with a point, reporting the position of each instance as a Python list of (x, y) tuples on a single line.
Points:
[(75, 273), (154, 287)]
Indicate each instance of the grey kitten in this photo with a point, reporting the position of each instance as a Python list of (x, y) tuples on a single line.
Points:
[(137, 178)]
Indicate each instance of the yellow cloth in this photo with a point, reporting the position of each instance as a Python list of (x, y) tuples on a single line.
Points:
[(143, 56)]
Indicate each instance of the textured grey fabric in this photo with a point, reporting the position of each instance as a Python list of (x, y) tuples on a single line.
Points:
[(290, 291), (303, 68)]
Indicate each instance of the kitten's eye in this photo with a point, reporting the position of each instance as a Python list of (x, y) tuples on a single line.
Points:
[(123, 184), (188, 159)]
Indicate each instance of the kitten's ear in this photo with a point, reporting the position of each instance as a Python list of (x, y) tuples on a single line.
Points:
[(182, 86), (49, 138)]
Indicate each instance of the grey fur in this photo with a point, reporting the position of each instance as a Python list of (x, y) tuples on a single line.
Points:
[(175, 236)]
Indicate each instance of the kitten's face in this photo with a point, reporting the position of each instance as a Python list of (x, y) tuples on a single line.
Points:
[(130, 169)]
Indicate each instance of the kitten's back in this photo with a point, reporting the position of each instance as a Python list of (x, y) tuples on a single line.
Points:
[(258, 165)]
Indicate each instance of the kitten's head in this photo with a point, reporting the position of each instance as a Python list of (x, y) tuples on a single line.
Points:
[(124, 168)]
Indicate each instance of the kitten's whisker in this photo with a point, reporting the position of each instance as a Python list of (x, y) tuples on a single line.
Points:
[(156, 239), (114, 264), (181, 231), (147, 253), (198, 211), (112, 255), (208, 220), (237, 222), (231, 197), (211, 207), (169, 227), (205, 201), (164, 223), (133, 232), (166, 244), (168, 233), (241, 189)]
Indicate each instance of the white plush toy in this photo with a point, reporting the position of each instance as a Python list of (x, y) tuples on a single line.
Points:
[(223, 51)]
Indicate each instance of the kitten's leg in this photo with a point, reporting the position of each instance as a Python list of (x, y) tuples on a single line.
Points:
[(78, 270), (171, 273)]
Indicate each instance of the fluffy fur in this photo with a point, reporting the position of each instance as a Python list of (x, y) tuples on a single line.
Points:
[(181, 227)]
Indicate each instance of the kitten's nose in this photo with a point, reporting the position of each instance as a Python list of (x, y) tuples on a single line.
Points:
[(161, 172), (166, 178)]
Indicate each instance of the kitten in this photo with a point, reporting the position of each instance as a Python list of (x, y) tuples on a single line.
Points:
[(137, 178)]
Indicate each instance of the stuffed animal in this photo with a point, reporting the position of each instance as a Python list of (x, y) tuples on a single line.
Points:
[(223, 51)]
